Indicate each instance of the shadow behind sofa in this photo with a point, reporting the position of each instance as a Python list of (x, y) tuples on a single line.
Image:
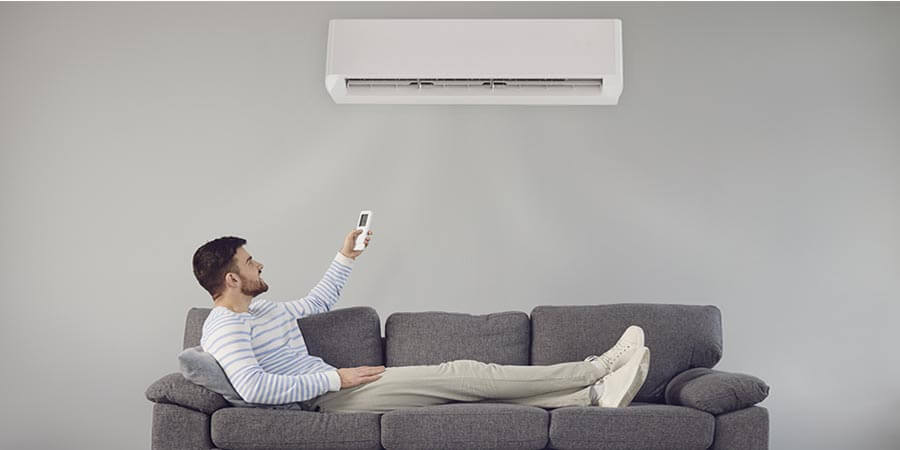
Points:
[(682, 404)]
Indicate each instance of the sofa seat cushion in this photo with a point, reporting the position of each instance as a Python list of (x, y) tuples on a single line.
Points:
[(257, 428), (465, 425), (639, 425)]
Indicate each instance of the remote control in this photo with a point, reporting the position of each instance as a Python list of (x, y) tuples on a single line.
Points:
[(364, 222)]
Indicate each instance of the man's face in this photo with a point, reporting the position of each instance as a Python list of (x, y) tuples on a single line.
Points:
[(252, 283)]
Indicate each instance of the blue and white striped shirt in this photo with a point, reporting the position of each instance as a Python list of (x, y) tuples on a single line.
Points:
[(262, 351)]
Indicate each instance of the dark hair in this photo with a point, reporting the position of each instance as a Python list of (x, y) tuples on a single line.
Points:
[(213, 260)]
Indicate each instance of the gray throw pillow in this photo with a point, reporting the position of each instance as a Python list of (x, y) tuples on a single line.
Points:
[(715, 391), (201, 368)]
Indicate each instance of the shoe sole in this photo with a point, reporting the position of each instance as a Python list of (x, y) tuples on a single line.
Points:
[(639, 377)]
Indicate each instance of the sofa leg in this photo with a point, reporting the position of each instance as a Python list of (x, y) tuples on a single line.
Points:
[(176, 427), (744, 429)]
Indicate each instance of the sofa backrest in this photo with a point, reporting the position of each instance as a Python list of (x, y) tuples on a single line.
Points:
[(679, 337), (343, 337), (433, 337)]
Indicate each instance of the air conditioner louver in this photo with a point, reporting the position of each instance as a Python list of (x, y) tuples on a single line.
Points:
[(472, 86)]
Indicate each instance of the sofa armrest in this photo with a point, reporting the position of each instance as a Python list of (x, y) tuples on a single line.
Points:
[(715, 391), (175, 389)]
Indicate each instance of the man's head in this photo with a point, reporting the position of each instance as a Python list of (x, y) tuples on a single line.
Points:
[(224, 267)]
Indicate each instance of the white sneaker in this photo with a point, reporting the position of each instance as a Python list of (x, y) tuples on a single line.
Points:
[(614, 358), (619, 388)]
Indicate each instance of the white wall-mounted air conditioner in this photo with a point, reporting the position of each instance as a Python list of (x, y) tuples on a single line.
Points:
[(475, 61)]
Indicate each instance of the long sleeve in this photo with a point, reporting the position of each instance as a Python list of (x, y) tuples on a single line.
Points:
[(227, 338), (335, 380), (325, 294)]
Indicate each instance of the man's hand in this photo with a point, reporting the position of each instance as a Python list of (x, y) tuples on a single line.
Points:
[(353, 376), (350, 241)]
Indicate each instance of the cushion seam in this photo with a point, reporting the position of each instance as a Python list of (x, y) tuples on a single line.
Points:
[(190, 407), (702, 398), (463, 414), (457, 441), (660, 415), (600, 439), (233, 442)]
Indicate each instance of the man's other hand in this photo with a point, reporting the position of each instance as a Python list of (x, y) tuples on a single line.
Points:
[(354, 376), (350, 242)]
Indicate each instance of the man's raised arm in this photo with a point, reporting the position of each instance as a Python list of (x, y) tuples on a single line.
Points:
[(227, 338), (326, 293)]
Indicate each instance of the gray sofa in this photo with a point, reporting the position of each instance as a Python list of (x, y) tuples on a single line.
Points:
[(684, 404)]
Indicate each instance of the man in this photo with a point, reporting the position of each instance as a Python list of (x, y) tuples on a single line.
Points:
[(261, 349)]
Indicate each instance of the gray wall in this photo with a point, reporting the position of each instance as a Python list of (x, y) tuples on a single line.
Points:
[(752, 163)]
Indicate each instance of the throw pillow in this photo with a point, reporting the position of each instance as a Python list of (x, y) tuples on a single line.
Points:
[(201, 368)]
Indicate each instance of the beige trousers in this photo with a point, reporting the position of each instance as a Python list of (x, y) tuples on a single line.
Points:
[(464, 380)]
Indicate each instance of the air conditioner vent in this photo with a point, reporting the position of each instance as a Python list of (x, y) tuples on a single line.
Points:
[(490, 83)]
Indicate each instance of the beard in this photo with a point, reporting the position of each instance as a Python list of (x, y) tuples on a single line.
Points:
[(253, 287)]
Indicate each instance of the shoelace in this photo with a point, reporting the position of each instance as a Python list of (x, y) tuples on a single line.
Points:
[(616, 352)]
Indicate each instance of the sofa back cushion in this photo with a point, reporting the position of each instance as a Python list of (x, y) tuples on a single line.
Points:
[(432, 337), (680, 337), (343, 337)]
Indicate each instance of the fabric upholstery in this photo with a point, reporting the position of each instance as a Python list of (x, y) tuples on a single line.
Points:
[(434, 337), (345, 337), (465, 425), (176, 390), (684, 337), (178, 428), (253, 428), (193, 326), (715, 391), (744, 429), (680, 337), (342, 337), (639, 425)]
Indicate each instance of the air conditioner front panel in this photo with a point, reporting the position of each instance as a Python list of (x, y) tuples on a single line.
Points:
[(453, 48), (446, 49)]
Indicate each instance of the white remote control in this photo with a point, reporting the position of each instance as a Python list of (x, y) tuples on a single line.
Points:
[(364, 222)]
